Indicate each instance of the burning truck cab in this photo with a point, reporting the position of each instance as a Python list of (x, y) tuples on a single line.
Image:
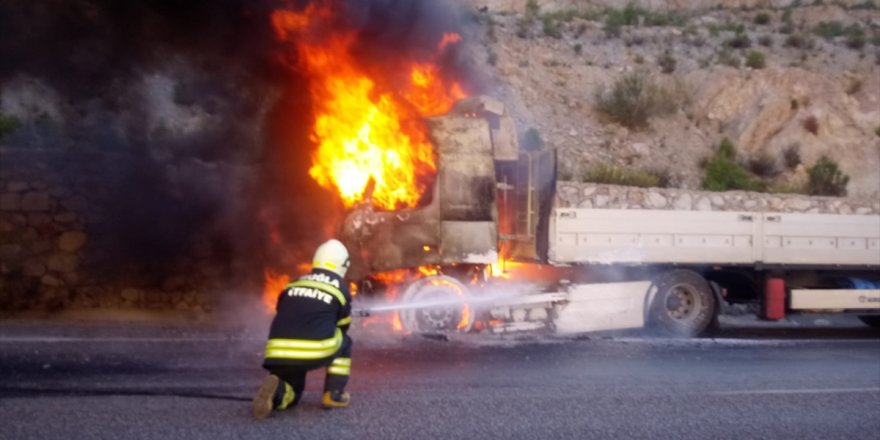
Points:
[(458, 222), (483, 208)]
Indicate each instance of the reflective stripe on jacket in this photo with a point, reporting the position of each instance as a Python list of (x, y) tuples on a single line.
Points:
[(303, 349)]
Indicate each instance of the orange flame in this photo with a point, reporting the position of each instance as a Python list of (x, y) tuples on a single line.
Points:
[(274, 284), (372, 143)]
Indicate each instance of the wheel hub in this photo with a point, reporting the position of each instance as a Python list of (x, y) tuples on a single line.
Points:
[(682, 302)]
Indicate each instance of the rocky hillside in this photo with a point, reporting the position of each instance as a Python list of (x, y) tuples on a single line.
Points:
[(786, 81)]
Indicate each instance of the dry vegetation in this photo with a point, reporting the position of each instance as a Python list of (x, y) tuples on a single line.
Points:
[(640, 93)]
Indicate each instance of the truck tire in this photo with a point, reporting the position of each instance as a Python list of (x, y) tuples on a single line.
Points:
[(871, 320), (683, 305), (451, 314)]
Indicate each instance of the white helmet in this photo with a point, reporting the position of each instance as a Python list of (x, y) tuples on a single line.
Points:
[(333, 256)]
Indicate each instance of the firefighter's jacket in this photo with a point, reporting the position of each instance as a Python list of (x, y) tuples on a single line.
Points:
[(312, 316)]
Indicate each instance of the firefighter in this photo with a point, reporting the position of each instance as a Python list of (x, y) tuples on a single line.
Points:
[(309, 332)]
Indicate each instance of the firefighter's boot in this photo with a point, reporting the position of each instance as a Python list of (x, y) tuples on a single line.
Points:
[(272, 394), (335, 399)]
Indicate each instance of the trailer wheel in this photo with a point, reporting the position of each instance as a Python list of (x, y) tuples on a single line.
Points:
[(451, 314), (684, 304), (871, 320)]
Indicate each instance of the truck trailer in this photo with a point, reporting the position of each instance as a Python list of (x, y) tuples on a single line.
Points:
[(494, 246)]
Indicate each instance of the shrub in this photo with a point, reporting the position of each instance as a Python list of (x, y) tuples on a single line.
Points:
[(8, 124), (522, 28), (829, 29), (723, 173), (789, 187), (578, 48), (671, 18), (787, 28), (877, 131), (630, 14), (766, 41), (755, 59), (855, 37), (616, 175), (826, 179), (617, 18), (867, 4), (739, 41), (792, 156), (629, 101), (795, 104), (634, 98), (532, 8), (666, 62), (726, 149), (797, 41), (531, 140), (762, 18), (764, 165), (551, 28), (811, 124)]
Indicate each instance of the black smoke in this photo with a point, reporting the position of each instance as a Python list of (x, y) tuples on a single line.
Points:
[(189, 120)]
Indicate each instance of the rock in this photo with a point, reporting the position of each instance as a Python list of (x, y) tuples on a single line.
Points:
[(863, 210), (33, 267), (130, 295), (51, 280), (71, 278), (38, 219), (35, 201), (191, 297), (9, 252), (684, 202), (703, 204), (635, 197), (17, 186), (799, 204), (67, 217), (588, 191), (41, 246), (72, 241), (656, 200), (62, 262), (717, 200), (601, 200), (17, 219), (10, 202), (586, 204), (174, 283), (641, 148), (750, 204), (76, 203)]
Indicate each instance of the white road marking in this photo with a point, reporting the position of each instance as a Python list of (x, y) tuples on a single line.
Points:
[(800, 391)]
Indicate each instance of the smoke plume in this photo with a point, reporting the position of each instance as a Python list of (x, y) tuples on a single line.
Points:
[(191, 120)]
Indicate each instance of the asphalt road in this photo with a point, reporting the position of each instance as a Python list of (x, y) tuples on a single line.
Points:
[(103, 381)]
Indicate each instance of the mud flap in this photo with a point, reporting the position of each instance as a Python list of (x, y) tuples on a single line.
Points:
[(605, 306)]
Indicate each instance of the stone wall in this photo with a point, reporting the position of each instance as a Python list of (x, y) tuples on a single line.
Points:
[(49, 257), (682, 5), (590, 195)]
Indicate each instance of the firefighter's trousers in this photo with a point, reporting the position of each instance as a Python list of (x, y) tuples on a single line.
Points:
[(294, 372)]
